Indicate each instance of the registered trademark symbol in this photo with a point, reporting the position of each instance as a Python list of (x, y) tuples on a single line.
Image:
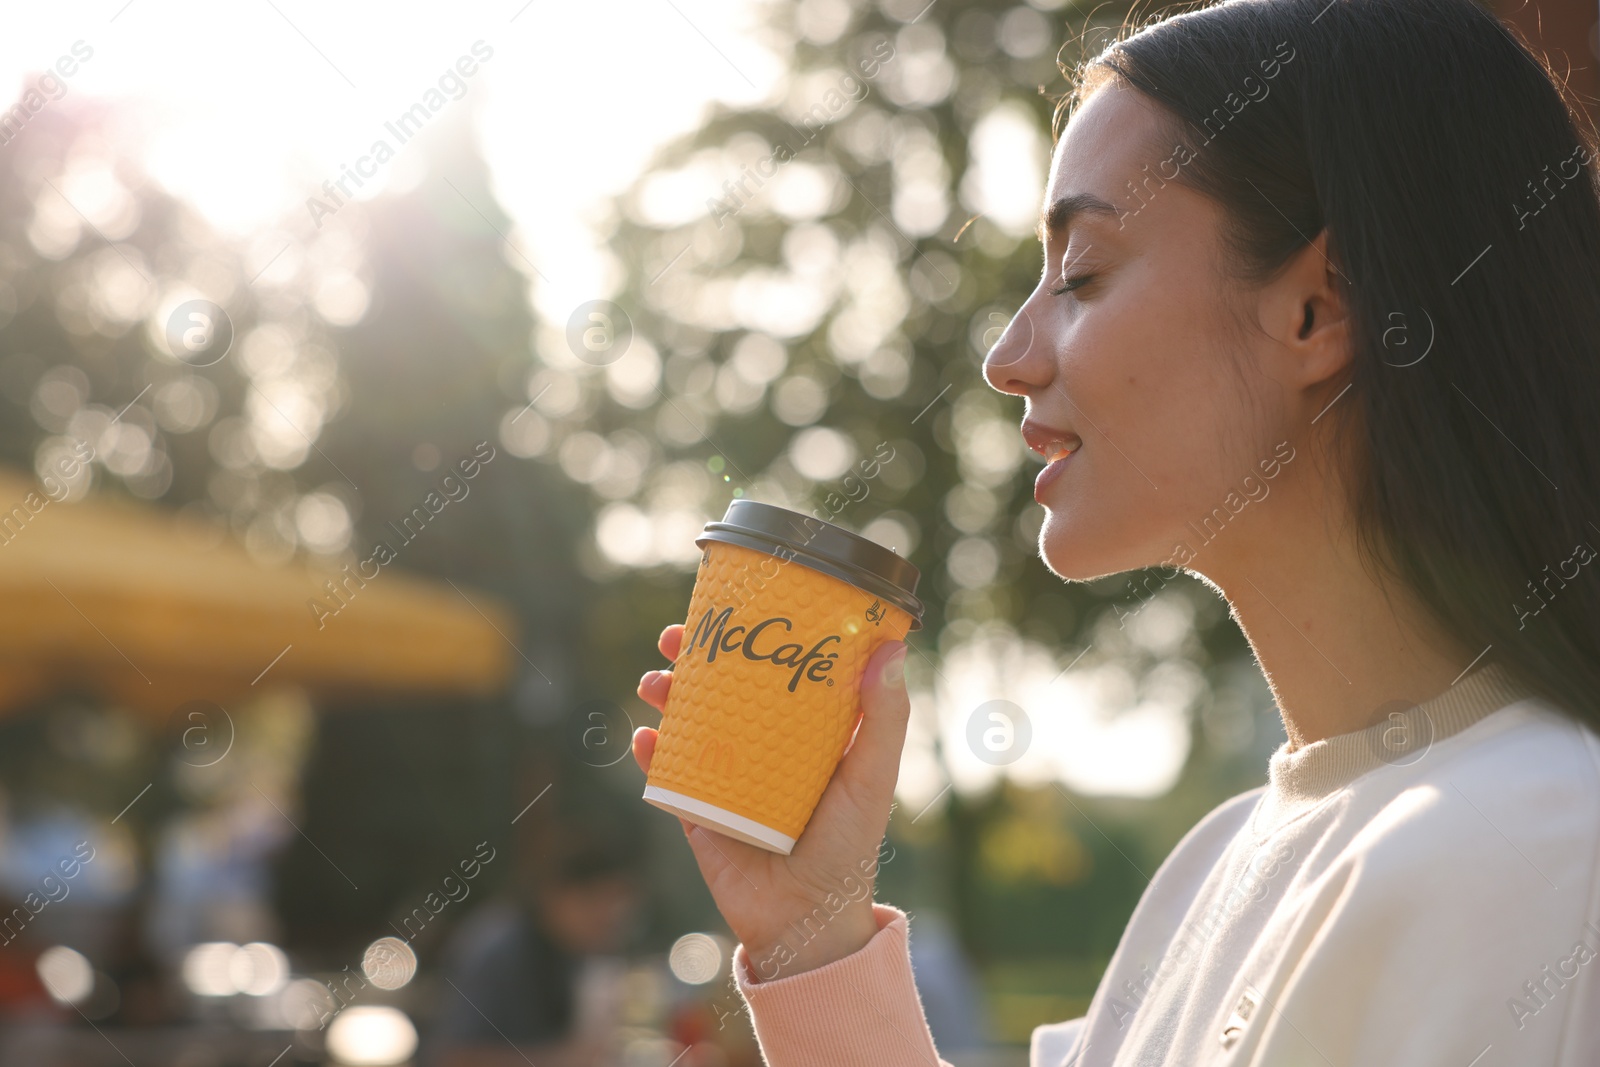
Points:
[(830, 681)]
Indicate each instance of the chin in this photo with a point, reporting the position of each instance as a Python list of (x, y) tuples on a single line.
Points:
[(1064, 554), (1076, 555), (1079, 573)]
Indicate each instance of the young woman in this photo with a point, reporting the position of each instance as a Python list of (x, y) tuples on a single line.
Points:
[(1351, 247)]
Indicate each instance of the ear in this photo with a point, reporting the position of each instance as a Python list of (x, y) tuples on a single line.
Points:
[(1304, 310)]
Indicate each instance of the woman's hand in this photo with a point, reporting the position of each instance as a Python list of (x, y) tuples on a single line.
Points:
[(773, 903)]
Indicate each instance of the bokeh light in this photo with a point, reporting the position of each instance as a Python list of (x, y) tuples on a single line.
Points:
[(696, 959), (305, 1004), (224, 969), (389, 963), (208, 969), (258, 969), (67, 974), (371, 1036)]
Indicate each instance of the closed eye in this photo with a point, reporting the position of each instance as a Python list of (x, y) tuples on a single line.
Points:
[(1069, 284)]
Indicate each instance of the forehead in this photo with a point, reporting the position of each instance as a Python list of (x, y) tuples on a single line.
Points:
[(1106, 142)]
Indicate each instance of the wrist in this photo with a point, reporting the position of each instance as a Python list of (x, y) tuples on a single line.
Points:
[(807, 949)]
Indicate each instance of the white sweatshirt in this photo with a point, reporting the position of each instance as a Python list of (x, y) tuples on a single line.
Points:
[(1421, 893)]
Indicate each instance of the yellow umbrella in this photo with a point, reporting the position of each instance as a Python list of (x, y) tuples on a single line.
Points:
[(152, 609)]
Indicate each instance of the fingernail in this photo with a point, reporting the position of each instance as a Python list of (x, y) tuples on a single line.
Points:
[(894, 669)]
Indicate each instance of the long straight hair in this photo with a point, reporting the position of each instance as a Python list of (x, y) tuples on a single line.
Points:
[(1456, 179)]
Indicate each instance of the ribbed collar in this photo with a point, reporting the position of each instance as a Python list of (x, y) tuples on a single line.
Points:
[(1299, 779)]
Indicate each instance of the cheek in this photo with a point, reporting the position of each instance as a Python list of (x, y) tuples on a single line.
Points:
[(1148, 375), (1153, 391)]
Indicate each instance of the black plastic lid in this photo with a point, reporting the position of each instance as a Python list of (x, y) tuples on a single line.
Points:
[(822, 546)]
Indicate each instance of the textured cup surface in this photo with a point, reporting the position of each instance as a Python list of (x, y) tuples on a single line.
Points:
[(765, 690)]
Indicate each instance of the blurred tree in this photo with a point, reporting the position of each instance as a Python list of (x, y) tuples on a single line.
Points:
[(369, 358)]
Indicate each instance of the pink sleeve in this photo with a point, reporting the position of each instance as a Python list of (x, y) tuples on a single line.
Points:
[(859, 1011)]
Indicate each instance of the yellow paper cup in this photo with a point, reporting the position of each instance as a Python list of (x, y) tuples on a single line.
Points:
[(786, 609)]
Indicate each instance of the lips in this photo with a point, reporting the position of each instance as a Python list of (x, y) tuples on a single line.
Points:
[(1051, 442)]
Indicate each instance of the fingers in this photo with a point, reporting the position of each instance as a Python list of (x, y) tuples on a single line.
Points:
[(644, 747), (644, 750), (671, 641), (872, 764), (654, 687)]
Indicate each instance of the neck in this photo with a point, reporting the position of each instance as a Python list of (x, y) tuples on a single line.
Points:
[(1339, 646)]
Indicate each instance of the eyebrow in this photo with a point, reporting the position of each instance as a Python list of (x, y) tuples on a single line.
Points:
[(1061, 213)]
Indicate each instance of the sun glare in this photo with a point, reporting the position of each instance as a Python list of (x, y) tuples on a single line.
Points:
[(257, 114)]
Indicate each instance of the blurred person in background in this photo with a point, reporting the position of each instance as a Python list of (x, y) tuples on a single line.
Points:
[(535, 972)]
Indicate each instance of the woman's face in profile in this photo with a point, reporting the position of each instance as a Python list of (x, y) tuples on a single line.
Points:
[(1143, 360)]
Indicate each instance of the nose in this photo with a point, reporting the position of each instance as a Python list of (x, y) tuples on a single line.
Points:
[(1017, 362)]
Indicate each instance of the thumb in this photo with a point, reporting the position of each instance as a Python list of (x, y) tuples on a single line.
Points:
[(871, 766)]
